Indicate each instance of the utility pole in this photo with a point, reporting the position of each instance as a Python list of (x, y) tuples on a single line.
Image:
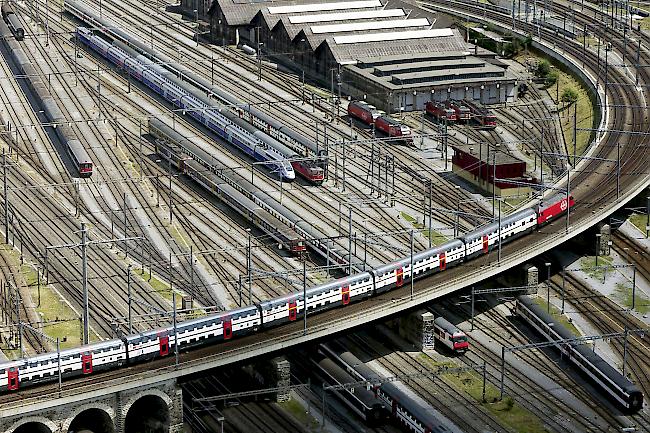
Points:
[(412, 273), (84, 281), (304, 295), (350, 241), (128, 288), (6, 201)]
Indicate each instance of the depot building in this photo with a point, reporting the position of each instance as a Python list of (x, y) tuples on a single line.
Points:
[(391, 54)]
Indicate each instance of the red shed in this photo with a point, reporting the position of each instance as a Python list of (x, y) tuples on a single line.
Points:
[(477, 164)]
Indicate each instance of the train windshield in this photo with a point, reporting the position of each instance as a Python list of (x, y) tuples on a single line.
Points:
[(460, 339), (85, 167)]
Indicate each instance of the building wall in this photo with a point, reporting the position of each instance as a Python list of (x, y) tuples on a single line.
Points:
[(358, 87)]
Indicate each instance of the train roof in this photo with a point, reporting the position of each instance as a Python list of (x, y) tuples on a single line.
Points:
[(447, 246), (492, 227), (79, 151), (446, 325), (551, 200), (584, 350), (390, 121), (424, 415)]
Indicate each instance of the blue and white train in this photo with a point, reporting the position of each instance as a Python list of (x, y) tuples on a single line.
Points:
[(215, 117), (217, 328)]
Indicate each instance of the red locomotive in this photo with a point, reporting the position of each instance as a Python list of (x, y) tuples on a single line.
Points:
[(363, 111), (439, 111), (481, 115), (552, 207), (463, 113), (310, 169), (393, 128)]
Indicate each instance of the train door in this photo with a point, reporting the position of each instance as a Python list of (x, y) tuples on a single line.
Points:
[(345, 295), (227, 328), (486, 243), (400, 277), (86, 363), (293, 310), (443, 261), (12, 379), (164, 345)]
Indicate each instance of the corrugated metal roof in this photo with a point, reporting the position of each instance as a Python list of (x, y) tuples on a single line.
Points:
[(393, 36), (369, 25), (347, 16), (317, 7)]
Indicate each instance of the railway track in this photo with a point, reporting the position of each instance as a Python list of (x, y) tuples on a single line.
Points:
[(519, 384), (631, 252)]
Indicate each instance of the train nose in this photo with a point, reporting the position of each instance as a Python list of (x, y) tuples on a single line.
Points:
[(288, 173)]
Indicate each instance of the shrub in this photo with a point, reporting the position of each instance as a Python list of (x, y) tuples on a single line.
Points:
[(569, 95)]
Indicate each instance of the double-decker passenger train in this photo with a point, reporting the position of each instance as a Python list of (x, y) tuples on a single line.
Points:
[(223, 326)]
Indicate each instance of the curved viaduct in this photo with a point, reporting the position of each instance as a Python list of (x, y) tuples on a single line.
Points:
[(109, 397)]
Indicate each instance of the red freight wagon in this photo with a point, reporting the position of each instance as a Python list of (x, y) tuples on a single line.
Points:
[(393, 128), (553, 207), (363, 111)]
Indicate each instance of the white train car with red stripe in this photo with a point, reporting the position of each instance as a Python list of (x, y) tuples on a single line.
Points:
[(449, 335), (217, 328)]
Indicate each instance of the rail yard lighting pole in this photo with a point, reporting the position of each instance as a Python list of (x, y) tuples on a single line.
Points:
[(304, 295), (597, 247), (647, 220), (563, 287), (350, 241), (548, 287), (248, 267), (411, 268), (171, 287), (6, 197), (128, 288), (84, 281)]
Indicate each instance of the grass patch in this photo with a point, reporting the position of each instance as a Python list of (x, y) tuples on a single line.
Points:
[(507, 411), (59, 320), (624, 294), (437, 238), (159, 286), (557, 315), (639, 220), (645, 23), (299, 413), (588, 266)]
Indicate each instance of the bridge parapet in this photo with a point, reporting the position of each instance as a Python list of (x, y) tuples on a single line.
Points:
[(158, 406)]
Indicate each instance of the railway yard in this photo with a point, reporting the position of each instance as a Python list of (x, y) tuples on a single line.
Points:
[(208, 227)]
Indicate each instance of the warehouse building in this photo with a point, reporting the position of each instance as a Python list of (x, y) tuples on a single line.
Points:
[(479, 164), (389, 53)]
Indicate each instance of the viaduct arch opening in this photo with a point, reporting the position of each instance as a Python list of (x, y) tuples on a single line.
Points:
[(92, 421), (33, 427), (149, 414)]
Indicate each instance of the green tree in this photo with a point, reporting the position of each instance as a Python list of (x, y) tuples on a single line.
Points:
[(551, 78), (543, 68), (569, 96)]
